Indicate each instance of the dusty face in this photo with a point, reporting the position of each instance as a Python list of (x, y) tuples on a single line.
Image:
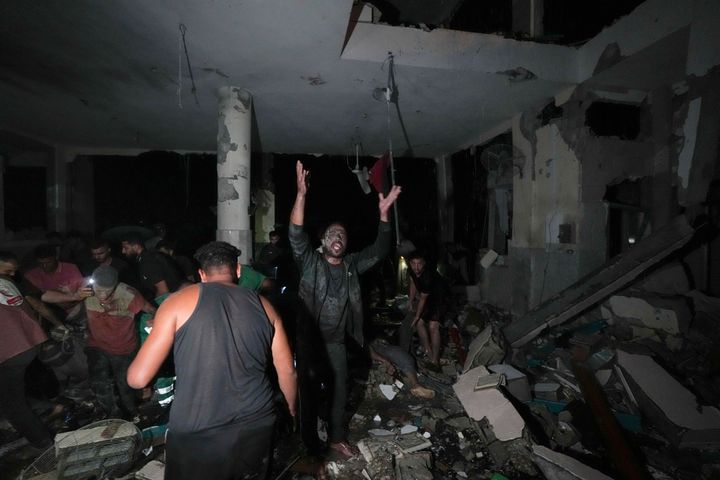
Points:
[(104, 293), (417, 265), (130, 251), (48, 264), (9, 268), (101, 254), (274, 239), (334, 241)]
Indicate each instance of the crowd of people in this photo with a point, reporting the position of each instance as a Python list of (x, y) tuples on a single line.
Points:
[(208, 331)]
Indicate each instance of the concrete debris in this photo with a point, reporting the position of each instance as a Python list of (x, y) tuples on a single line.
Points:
[(671, 406), (671, 315), (485, 349), (414, 467), (405, 429), (389, 391), (492, 404), (558, 466), (413, 442), (592, 289), (380, 432), (546, 391), (516, 381)]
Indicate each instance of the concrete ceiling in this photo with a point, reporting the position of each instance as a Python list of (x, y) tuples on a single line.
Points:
[(105, 74)]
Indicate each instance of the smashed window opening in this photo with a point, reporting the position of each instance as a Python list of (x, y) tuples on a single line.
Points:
[(501, 163), (628, 218), (608, 119)]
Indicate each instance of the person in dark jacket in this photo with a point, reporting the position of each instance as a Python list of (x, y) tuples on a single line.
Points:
[(330, 290)]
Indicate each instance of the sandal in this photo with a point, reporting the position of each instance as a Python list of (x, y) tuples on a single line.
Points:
[(345, 449)]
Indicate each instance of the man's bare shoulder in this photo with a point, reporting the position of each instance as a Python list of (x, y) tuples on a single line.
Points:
[(183, 298)]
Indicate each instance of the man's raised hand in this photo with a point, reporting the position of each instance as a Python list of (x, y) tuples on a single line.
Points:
[(385, 203), (302, 176)]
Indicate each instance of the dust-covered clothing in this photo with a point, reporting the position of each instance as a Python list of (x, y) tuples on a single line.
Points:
[(112, 323), (316, 282)]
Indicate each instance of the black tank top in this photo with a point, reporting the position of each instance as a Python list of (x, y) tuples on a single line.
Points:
[(222, 354)]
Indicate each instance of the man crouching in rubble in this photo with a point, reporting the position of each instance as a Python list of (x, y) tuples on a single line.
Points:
[(222, 418)]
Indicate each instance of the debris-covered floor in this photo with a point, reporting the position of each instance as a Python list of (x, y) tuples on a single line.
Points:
[(628, 389)]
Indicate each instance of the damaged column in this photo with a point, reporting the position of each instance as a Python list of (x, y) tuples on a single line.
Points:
[(233, 167)]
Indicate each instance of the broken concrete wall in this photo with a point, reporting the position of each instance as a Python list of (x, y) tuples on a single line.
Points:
[(561, 212)]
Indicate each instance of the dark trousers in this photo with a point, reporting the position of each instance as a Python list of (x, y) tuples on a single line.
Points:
[(14, 403), (338, 363), (322, 388), (108, 371), (229, 452)]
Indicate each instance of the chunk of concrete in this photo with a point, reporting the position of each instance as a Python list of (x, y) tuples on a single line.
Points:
[(517, 381), (546, 391), (671, 406), (413, 442), (414, 467), (558, 466), (485, 349), (490, 403), (671, 315)]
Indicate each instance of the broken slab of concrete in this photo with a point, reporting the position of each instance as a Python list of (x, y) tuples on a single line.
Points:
[(597, 286), (485, 349), (417, 466), (669, 405), (489, 403), (517, 382), (559, 466), (671, 315)]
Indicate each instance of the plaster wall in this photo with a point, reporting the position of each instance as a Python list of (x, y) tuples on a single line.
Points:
[(648, 23)]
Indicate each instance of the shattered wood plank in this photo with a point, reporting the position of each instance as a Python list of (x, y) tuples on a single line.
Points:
[(595, 287)]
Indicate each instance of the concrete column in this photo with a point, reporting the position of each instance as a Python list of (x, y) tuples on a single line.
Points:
[(446, 208), (233, 167)]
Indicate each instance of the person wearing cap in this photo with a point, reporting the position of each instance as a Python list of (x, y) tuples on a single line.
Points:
[(113, 340)]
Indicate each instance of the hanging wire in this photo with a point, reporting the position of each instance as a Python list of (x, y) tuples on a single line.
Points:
[(193, 90), (179, 83), (388, 99)]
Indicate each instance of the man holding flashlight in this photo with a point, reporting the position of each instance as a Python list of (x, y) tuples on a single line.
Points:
[(112, 341)]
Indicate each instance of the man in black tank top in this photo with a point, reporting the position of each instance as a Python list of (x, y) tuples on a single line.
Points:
[(223, 339)]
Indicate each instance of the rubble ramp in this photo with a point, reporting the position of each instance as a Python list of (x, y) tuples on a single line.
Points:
[(609, 278)]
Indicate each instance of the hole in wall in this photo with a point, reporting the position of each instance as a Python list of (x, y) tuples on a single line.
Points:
[(608, 119)]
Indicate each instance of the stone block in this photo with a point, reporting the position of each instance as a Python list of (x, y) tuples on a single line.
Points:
[(517, 382), (490, 403)]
